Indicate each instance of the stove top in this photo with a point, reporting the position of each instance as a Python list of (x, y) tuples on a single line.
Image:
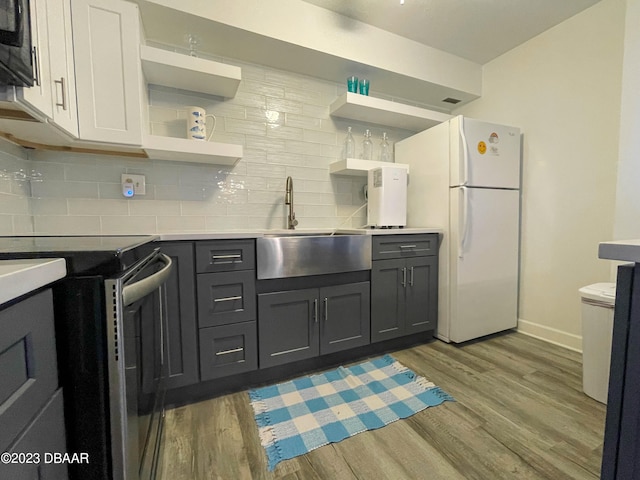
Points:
[(85, 255)]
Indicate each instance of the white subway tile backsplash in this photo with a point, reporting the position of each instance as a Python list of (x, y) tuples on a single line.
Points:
[(281, 119), (288, 133), (6, 225), (49, 206), (285, 106), (180, 223), (203, 208), (67, 225), (91, 206), (22, 224), (140, 207), (62, 189), (14, 204), (227, 222), (326, 138), (123, 225)]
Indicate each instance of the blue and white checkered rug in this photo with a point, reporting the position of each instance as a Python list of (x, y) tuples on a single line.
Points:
[(301, 415)]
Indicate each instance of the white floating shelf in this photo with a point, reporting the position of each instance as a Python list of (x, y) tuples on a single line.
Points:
[(184, 150), (384, 112), (170, 69), (358, 167)]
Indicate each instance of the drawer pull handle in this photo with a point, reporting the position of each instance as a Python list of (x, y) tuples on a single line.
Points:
[(224, 257), (227, 352), (408, 246), (226, 299)]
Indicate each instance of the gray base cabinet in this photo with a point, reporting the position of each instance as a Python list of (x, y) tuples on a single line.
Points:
[(299, 324), (182, 327), (226, 290), (404, 286), (31, 410)]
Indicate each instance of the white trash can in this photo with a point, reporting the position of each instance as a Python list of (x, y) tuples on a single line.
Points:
[(598, 301)]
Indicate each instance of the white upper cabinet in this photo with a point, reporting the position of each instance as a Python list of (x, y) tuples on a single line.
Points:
[(38, 100), (62, 70), (106, 39)]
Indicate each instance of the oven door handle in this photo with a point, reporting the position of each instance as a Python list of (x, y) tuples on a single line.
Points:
[(134, 292)]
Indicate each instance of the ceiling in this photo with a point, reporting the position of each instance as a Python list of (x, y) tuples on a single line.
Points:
[(478, 30)]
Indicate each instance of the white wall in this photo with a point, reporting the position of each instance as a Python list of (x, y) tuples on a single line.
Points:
[(283, 122), (562, 88), (627, 218), (15, 190)]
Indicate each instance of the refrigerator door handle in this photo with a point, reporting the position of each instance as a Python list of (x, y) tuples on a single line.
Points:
[(465, 154), (464, 204)]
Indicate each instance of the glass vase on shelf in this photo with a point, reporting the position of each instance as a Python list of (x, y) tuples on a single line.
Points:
[(367, 146), (349, 150), (385, 149)]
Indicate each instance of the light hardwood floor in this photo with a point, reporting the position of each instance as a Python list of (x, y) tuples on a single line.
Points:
[(519, 414)]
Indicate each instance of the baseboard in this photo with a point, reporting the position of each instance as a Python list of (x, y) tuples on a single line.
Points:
[(551, 335)]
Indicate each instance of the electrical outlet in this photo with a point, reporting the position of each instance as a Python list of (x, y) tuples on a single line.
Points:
[(138, 182)]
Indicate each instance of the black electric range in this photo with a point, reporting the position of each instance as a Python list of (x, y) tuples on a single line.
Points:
[(84, 255), (84, 341)]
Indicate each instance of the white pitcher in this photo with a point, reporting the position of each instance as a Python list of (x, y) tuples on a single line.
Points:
[(197, 124)]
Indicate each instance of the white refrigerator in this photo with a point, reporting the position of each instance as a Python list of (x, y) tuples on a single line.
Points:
[(465, 179)]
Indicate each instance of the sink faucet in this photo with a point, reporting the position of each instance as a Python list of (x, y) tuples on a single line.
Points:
[(288, 200)]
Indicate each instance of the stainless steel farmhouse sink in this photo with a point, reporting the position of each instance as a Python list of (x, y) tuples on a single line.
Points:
[(296, 255)]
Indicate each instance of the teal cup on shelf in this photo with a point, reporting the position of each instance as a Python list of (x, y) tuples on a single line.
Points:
[(352, 84), (364, 87)]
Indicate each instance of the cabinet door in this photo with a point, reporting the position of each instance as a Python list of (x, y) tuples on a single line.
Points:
[(421, 297), (28, 365), (344, 317), (182, 327), (38, 97), (106, 42), (287, 326), (61, 64), (44, 436), (387, 299)]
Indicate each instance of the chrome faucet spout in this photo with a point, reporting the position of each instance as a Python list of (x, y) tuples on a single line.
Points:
[(288, 200)]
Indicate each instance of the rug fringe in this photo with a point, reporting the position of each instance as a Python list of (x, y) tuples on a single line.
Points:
[(421, 381)]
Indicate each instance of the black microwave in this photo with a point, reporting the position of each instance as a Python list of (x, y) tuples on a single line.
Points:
[(16, 67)]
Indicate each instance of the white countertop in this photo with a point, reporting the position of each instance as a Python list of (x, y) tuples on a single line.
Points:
[(235, 234), (623, 250), (18, 277)]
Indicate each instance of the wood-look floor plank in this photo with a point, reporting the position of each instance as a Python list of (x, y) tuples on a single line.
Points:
[(519, 413)]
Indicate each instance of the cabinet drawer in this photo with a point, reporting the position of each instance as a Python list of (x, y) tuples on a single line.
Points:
[(228, 350), (225, 298), (225, 256), (28, 368), (404, 246), (45, 435)]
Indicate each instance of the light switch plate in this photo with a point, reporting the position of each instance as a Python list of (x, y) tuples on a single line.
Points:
[(138, 182)]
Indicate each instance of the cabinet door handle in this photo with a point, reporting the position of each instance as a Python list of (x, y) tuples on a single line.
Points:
[(64, 93), (36, 65), (223, 257), (326, 309), (411, 276), (227, 352), (315, 310), (404, 277), (227, 299)]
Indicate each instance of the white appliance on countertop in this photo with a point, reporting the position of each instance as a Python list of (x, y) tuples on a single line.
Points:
[(465, 179), (387, 196)]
